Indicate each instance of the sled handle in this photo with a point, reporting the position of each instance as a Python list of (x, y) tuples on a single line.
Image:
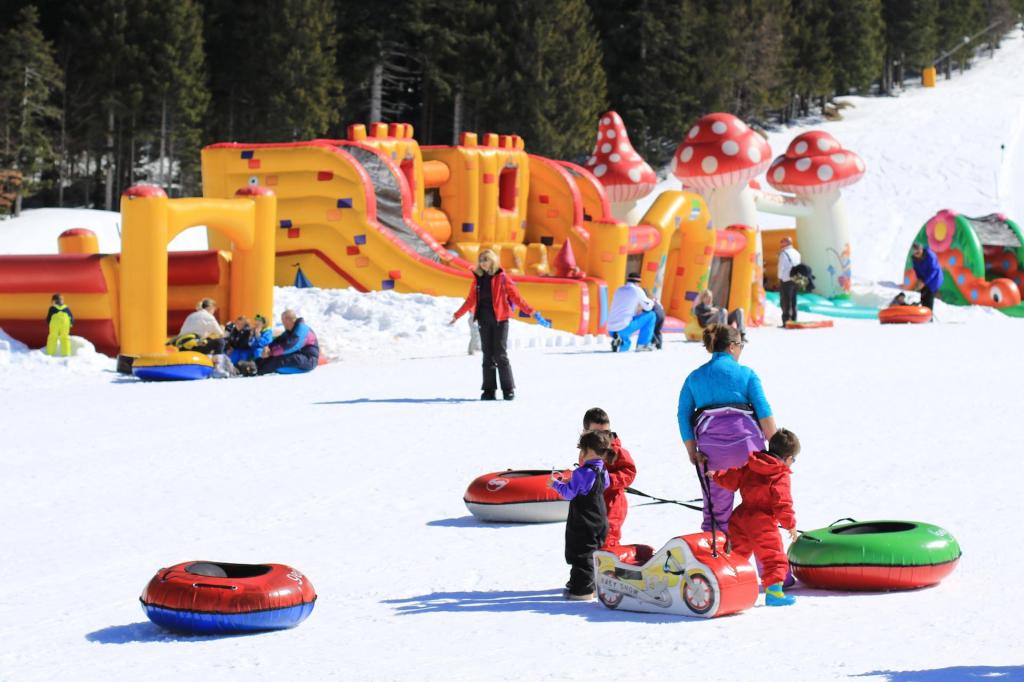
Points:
[(841, 520), (219, 587)]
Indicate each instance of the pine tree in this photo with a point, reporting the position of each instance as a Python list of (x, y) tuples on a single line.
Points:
[(855, 37), (28, 115), (910, 37), (810, 56), (553, 86), (306, 94), (181, 93), (650, 57)]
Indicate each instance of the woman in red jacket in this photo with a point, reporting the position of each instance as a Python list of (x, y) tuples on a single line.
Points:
[(491, 298), (767, 504)]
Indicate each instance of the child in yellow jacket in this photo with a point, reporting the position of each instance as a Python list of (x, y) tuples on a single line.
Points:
[(60, 319)]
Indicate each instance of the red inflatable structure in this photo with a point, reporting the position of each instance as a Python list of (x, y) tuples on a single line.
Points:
[(516, 497), (207, 597)]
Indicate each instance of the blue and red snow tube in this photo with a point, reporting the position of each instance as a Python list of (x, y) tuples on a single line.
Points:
[(207, 597)]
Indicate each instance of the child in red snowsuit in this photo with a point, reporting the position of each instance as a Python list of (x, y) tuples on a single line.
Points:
[(767, 503), (621, 472)]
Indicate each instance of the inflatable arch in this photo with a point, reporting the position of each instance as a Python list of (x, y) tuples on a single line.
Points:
[(149, 221)]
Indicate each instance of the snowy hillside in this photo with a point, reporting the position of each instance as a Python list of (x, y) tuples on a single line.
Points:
[(354, 474)]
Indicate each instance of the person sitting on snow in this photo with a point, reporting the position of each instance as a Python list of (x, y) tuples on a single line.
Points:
[(707, 314), (587, 523), (296, 349), (767, 504), (621, 473), (899, 299), (59, 319), (632, 311), (204, 327), (247, 340)]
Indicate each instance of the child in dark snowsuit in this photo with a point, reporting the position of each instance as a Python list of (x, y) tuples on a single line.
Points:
[(621, 473), (767, 503), (587, 523)]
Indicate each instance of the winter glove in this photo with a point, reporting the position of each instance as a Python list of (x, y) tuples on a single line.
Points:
[(541, 321)]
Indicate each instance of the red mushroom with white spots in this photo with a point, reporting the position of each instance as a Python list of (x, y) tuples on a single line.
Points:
[(719, 157), (814, 168), (626, 177)]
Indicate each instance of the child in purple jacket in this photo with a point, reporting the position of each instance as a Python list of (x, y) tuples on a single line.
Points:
[(587, 523)]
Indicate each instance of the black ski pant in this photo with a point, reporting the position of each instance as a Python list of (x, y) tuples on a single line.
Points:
[(927, 298), (494, 344), (787, 299)]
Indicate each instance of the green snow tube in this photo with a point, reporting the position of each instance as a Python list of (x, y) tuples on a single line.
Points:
[(874, 555), (832, 307)]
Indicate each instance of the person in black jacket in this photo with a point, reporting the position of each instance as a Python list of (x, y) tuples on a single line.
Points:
[(586, 527)]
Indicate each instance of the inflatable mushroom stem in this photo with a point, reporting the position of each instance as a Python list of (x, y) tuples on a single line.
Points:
[(626, 177)]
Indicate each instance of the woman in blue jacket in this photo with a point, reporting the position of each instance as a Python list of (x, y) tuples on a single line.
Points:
[(723, 415)]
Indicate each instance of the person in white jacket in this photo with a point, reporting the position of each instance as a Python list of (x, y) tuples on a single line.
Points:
[(204, 325), (788, 257), (632, 311)]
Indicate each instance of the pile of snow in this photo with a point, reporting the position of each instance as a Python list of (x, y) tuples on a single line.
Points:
[(84, 360), (389, 325)]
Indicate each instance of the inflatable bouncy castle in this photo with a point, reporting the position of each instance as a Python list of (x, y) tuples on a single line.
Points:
[(376, 211), (126, 303), (982, 260)]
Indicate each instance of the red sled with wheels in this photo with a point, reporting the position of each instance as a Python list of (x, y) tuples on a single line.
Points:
[(689, 576)]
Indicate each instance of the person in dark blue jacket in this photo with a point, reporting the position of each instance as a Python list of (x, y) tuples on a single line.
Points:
[(928, 271), (296, 350)]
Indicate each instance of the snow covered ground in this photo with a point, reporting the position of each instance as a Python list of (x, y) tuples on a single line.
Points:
[(354, 473)]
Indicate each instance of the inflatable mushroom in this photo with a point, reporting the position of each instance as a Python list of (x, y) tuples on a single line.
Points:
[(814, 168), (719, 157), (626, 177)]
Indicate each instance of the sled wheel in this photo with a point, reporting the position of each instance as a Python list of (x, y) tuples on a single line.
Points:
[(698, 593), (609, 599)]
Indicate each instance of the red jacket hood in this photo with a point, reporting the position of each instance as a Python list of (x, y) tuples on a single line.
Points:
[(767, 465)]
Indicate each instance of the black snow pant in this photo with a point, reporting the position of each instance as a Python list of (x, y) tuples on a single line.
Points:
[(494, 344), (927, 298), (586, 529), (300, 361), (787, 299)]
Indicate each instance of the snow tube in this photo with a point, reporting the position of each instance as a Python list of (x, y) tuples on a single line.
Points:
[(516, 497), (874, 555), (183, 365), (812, 324), (904, 314), (210, 597)]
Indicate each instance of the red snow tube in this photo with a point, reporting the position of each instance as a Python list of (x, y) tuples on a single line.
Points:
[(904, 314), (209, 597), (516, 497), (812, 324)]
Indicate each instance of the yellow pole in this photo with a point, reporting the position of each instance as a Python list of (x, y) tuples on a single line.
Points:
[(255, 293), (143, 308)]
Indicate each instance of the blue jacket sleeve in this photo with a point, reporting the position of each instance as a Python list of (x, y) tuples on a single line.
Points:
[(685, 410), (755, 394), (301, 331), (258, 343)]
